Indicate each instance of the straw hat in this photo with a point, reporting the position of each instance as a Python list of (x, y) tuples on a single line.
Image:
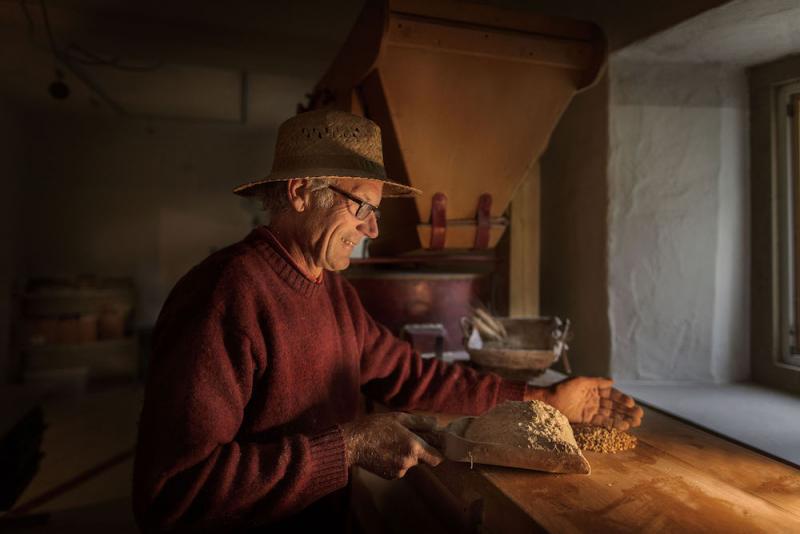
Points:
[(328, 142)]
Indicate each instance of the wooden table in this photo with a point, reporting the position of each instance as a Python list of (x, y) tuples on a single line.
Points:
[(678, 479)]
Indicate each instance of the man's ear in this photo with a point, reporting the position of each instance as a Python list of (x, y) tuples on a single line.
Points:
[(298, 193)]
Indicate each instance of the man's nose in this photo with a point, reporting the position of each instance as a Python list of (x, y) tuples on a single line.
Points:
[(369, 226)]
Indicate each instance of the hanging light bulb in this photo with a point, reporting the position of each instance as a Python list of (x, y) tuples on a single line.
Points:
[(58, 89)]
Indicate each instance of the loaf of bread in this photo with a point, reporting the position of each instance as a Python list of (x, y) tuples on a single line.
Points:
[(527, 425)]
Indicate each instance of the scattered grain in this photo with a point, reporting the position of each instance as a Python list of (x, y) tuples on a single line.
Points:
[(601, 439)]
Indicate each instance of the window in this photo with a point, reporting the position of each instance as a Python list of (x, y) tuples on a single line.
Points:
[(788, 219), (775, 223)]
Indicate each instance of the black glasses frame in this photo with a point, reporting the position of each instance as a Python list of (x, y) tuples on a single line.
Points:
[(364, 207)]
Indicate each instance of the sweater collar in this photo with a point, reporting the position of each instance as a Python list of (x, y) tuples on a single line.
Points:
[(281, 262)]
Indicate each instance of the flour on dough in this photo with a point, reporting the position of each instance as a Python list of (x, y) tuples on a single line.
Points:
[(528, 425)]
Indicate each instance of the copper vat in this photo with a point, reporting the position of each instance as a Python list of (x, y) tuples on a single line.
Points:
[(396, 299)]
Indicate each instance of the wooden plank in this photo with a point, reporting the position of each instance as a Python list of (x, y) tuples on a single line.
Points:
[(771, 480), (795, 150), (356, 103), (454, 38), (493, 16), (460, 236), (640, 490), (525, 247), (678, 479)]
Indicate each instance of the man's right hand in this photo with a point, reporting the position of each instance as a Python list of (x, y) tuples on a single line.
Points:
[(384, 443)]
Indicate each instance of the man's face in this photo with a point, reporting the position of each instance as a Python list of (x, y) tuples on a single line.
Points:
[(337, 231)]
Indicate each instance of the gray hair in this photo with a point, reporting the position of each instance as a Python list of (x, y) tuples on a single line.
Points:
[(275, 201)]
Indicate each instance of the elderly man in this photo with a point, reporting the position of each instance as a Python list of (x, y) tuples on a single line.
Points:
[(261, 353)]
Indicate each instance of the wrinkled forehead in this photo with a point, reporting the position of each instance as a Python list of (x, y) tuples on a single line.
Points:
[(369, 190)]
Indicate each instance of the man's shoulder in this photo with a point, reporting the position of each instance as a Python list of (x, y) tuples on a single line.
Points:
[(235, 261), (234, 271)]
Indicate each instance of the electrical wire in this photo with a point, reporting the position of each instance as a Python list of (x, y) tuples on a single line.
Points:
[(87, 57), (77, 53), (31, 27), (49, 32)]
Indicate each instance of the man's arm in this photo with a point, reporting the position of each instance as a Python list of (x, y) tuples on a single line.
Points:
[(191, 467), (394, 374), (397, 376)]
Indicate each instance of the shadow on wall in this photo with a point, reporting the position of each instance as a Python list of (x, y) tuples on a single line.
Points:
[(125, 197), (574, 276)]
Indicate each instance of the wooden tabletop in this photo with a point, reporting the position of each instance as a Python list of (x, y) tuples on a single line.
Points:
[(678, 479)]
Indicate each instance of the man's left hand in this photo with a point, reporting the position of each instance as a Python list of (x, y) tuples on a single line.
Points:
[(585, 399)]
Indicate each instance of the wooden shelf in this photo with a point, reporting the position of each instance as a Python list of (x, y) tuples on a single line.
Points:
[(105, 359)]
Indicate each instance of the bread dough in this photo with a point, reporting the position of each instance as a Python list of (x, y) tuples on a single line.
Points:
[(528, 425)]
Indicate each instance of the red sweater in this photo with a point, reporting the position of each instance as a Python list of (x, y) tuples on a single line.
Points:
[(254, 367)]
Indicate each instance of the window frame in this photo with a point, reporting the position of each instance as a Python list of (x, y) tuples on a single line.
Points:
[(787, 150), (768, 316)]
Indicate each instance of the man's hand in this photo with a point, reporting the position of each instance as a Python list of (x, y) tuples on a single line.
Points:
[(591, 400), (384, 444)]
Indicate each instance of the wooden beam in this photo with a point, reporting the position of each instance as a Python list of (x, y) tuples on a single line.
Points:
[(504, 45), (525, 246), (497, 17), (795, 151)]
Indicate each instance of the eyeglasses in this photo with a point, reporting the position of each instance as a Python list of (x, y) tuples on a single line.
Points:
[(364, 207)]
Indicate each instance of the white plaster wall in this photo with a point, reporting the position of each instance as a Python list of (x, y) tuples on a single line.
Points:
[(575, 213), (13, 168), (739, 32), (678, 273), (730, 357)]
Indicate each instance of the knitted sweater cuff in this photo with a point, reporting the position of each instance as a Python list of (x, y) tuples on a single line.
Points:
[(511, 391), (327, 450)]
